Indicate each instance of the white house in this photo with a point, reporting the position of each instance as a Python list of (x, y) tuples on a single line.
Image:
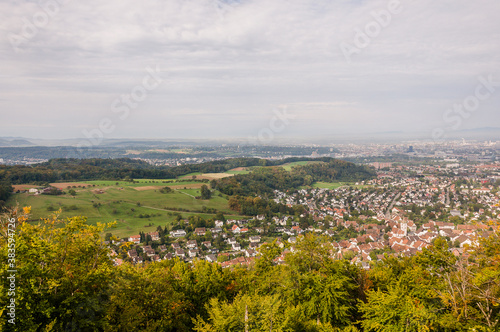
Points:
[(178, 233)]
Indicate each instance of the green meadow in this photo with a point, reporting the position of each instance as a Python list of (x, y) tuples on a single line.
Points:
[(289, 166), (245, 171), (135, 206)]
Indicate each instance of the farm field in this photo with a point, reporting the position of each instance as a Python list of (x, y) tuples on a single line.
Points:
[(205, 176), (134, 210)]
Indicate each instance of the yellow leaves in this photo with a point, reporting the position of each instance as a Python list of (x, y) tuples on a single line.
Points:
[(23, 214), (126, 245), (52, 283), (53, 218), (27, 209)]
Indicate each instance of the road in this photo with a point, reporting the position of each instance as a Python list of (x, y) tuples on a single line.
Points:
[(388, 213)]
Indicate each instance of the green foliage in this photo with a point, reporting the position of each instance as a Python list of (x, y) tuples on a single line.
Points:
[(396, 310), (263, 181), (63, 269), (5, 190), (166, 190), (147, 299), (205, 192), (66, 281)]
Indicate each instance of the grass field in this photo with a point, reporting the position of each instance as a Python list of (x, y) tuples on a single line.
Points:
[(328, 185), (240, 170), (205, 176), (134, 210), (289, 166)]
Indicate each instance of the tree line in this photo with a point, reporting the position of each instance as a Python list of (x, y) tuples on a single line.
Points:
[(124, 168)]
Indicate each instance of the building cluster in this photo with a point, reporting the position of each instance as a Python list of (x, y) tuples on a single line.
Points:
[(400, 212)]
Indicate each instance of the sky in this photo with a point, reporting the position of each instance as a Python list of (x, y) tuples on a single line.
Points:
[(249, 68)]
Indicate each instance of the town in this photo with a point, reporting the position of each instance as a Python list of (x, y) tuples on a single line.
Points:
[(400, 212)]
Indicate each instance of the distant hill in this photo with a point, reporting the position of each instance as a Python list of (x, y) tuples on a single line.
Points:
[(15, 142)]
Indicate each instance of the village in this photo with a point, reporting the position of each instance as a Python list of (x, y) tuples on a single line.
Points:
[(400, 212)]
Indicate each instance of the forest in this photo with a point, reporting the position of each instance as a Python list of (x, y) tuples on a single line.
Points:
[(117, 169), (65, 280), (263, 181), (6, 190)]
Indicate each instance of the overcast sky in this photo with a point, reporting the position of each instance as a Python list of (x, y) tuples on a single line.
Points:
[(224, 68)]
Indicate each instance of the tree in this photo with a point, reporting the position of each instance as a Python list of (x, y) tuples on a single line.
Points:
[(220, 216), (63, 273), (205, 192), (148, 299), (245, 313), (395, 310), (5, 191), (318, 283)]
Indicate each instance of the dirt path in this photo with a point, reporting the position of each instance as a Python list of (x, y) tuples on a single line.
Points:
[(185, 193)]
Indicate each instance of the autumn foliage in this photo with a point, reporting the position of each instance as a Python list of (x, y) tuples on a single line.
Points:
[(66, 281)]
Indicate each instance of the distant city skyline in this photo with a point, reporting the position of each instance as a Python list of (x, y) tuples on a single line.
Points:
[(248, 69)]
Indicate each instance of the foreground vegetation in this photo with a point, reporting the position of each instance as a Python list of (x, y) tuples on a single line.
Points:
[(66, 281)]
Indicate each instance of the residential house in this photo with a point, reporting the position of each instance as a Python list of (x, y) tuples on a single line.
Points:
[(200, 231), (155, 236), (192, 244), (211, 258), (178, 233), (193, 252), (180, 253), (132, 253), (254, 239), (135, 239)]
